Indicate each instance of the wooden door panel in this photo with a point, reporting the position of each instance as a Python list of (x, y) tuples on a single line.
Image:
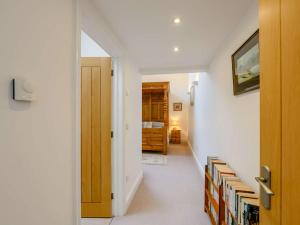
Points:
[(290, 18), (86, 133), (106, 132), (157, 112), (280, 107), (96, 134), (95, 137), (270, 102), (146, 101)]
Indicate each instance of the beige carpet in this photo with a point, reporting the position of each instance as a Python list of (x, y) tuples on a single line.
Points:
[(171, 194)]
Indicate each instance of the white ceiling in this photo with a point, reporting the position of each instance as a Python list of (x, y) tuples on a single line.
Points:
[(146, 29)]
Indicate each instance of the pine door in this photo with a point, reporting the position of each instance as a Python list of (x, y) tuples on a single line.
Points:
[(96, 137), (280, 108)]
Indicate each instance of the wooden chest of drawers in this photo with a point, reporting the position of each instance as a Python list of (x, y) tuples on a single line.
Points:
[(175, 137)]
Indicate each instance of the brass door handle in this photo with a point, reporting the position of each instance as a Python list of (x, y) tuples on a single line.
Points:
[(262, 182)]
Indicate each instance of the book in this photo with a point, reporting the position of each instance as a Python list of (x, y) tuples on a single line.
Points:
[(209, 170), (209, 159), (227, 178), (212, 166), (221, 170), (211, 173), (250, 211), (240, 196), (234, 190), (241, 202), (227, 189)]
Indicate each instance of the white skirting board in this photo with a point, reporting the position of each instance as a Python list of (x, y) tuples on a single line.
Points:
[(133, 191), (200, 168)]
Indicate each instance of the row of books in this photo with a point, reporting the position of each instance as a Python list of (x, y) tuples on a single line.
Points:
[(241, 201)]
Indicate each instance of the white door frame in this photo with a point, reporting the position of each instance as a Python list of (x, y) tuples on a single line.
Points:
[(118, 156), (118, 171), (77, 116)]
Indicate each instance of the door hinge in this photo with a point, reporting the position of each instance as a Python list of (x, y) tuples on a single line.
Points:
[(112, 72), (112, 195), (111, 134)]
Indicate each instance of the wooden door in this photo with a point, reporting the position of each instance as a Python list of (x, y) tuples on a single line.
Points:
[(280, 107), (270, 101), (96, 137), (290, 68)]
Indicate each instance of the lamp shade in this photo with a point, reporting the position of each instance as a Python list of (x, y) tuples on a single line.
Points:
[(174, 123)]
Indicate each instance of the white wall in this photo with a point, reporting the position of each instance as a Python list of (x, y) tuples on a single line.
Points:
[(89, 48), (179, 84), (133, 129), (37, 42), (222, 124), (128, 107)]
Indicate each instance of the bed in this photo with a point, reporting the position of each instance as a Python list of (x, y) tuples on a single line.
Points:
[(155, 116), (155, 139)]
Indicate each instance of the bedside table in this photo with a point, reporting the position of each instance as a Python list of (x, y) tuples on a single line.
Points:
[(175, 137)]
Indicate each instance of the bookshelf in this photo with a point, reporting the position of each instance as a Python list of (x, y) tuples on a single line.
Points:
[(219, 210), (231, 214), (219, 207)]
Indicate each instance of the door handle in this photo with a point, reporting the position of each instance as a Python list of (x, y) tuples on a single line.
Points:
[(265, 186), (262, 182)]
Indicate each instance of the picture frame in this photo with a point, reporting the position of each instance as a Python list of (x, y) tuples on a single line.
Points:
[(177, 106), (245, 66)]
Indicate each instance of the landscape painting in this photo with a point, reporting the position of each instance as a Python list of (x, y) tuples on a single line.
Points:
[(245, 66)]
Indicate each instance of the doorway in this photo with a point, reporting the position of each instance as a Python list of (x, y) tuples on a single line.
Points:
[(96, 191), (96, 125)]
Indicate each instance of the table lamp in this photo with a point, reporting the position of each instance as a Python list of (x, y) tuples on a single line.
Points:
[(174, 124)]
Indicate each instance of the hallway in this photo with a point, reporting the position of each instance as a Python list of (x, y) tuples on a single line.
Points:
[(171, 194)]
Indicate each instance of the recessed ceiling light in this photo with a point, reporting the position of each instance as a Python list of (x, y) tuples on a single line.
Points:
[(177, 20), (176, 49)]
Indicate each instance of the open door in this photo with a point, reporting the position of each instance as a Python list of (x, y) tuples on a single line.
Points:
[(96, 137), (280, 112)]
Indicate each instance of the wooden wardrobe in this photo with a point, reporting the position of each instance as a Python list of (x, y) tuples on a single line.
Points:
[(155, 116)]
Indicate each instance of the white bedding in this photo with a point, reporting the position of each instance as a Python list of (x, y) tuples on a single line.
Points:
[(153, 124)]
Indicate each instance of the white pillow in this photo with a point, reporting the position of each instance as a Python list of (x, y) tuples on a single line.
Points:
[(157, 124), (147, 124)]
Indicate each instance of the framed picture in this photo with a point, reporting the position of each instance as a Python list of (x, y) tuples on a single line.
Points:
[(177, 106), (245, 66)]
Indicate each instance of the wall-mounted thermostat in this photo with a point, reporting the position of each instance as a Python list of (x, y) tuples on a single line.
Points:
[(23, 90)]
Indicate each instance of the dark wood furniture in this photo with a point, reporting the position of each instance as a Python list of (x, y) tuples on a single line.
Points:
[(156, 102), (175, 137), (155, 108)]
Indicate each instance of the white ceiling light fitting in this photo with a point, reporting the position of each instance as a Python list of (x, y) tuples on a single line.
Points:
[(176, 49), (177, 20)]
